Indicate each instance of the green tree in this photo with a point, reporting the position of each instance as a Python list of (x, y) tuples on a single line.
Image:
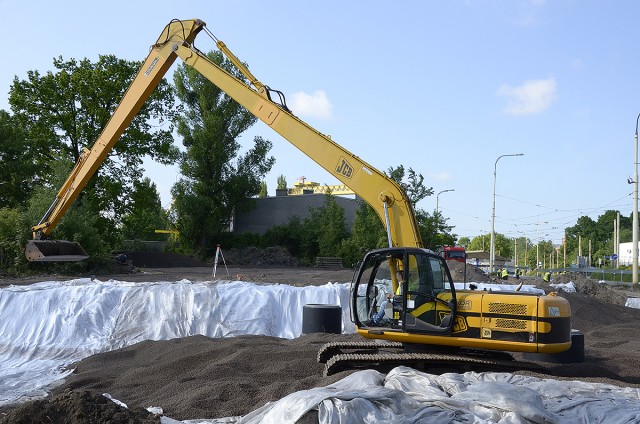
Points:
[(63, 112), (481, 242), (145, 213), (216, 180), (10, 239), (17, 163), (434, 230), (414, 186), (263, 189), (464, 242), (599, 232), (328, 226), (503, 244), (294, 237), (367, 233), (282, 182)]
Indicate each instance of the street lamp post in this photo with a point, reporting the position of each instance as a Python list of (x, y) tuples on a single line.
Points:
[(438, 195), (437, 217), (635, 211), (492, 254)]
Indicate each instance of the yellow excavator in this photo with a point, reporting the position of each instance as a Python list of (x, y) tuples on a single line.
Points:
[(402, 295)]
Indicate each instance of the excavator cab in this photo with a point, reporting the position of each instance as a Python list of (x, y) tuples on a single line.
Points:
[(404, 289)]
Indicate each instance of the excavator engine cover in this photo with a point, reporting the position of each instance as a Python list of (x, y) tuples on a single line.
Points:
[(54, 251)]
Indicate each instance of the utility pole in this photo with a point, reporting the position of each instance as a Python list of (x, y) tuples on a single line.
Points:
[(579, 249), (492, 253), (634, 249), (526, 247), (537, 249), (564, 244), (615, 240), (618, 239)]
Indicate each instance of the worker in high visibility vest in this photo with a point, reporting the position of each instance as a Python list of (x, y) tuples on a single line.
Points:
[(505, 273)]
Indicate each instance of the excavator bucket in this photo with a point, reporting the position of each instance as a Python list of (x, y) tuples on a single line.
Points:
[(54, 251)]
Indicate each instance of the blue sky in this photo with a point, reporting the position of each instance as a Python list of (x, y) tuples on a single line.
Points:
[(443, 87)]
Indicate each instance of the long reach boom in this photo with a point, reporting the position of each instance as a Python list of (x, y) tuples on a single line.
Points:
[(176, 40)]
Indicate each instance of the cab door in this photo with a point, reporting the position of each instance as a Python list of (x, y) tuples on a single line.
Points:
[(430, 295)]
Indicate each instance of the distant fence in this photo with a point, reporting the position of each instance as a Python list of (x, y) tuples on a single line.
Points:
[(328, 262), (610, 275)]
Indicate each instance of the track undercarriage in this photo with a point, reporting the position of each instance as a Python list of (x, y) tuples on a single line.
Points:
[(384, 356)]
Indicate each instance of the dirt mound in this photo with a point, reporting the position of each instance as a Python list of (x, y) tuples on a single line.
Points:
[(78, 407), (197, 377), (612, 293), (473, 273)]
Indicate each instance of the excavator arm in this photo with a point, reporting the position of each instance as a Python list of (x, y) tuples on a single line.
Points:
[(386, 197)]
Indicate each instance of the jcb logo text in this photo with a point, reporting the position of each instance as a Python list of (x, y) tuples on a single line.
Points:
[(344, 168)]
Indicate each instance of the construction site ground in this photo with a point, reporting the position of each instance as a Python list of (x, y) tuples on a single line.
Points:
[(234, 376)]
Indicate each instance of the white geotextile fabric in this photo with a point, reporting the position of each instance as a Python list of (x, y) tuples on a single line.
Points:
[(409, 396), (47, 326), (633, 302)]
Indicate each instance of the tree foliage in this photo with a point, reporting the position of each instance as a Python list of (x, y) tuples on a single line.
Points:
[(216, 179), (503, 244), (367, 233), (263, 189), (434, 230), (327, 225), (63, 112), (464, 242), (282, 182), (414, 184), (599, 233), (145, 214), (18, 162), (11, 246)]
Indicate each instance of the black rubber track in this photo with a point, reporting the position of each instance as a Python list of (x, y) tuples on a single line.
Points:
[(384, 356)]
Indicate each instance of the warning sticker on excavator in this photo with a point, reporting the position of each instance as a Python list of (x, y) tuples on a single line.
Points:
[(464, 305), (153, 65)]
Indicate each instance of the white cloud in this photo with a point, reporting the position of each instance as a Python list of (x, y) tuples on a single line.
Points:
[(440, 176), (314, 105), (530, 98)]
